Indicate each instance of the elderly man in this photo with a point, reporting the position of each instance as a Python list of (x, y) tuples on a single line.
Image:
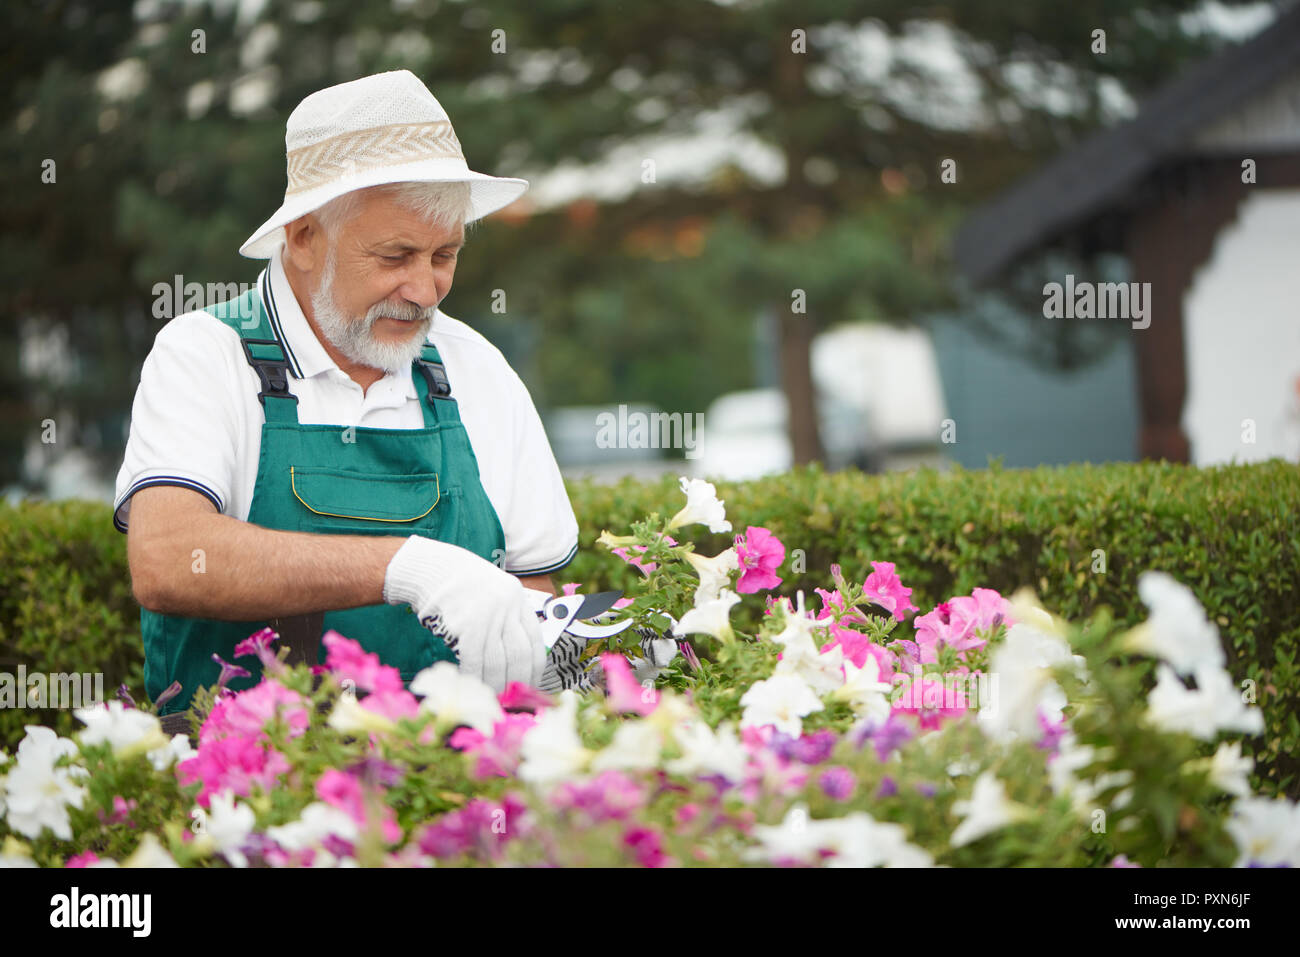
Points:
[(331, 451)]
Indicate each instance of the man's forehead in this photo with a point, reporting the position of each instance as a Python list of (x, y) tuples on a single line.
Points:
[(386, 220), (412, 242)]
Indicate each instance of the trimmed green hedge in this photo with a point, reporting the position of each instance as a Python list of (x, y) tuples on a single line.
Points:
[(1231, 533)]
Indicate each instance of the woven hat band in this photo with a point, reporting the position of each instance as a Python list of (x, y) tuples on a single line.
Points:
[(311, 166)]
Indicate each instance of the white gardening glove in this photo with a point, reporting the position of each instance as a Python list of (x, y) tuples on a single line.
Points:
[(479, 609)]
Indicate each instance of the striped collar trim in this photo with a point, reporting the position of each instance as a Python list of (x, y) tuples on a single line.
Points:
[(273, 316)]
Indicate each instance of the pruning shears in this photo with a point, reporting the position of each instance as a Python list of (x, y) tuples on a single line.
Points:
[(569, 614)]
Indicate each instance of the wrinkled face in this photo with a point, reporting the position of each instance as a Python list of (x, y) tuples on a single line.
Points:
[(384, 273)]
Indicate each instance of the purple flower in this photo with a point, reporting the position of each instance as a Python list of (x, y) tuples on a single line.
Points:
[(125, 695), (887, 737), (838, 783), (229, 671), (929, 790), (806, 749), (887, 788), (171, 691), (1053, 732)]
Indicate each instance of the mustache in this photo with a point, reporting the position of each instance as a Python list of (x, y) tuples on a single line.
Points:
[(405, 310)]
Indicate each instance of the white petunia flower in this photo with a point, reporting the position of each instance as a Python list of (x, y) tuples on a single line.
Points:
[(705, 751), (1214, 706), (175, 751), (37, 793), (823, 672), (551, 749), (317, 822), (126, 730), (702, 506), (715, 573), (229, 824), (1266, 832), (799, 626), (150, 853), (987, 810), (349, 717), (1230, 771), (798, 837), (865, 693), (856, 840), (1021, 680), (861, 841), (636, 746), (1178, 630), (782, 700), (457, 698), (711, 618)]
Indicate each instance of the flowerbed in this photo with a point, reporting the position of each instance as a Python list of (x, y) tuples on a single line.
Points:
[(984, 732)]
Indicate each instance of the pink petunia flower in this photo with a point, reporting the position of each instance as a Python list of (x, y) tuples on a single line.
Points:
[(626, 694), (393, 705), (247, 713), (347, 659), (761, 554), (609, 796), (498, 755), (236, 762), (521, 697), (481, 828), (885, 589), (646, 845), (931, 702), (645, 568), (858, 647), (344, 791)]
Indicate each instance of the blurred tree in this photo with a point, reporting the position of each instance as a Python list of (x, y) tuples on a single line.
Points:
[(165, 121)]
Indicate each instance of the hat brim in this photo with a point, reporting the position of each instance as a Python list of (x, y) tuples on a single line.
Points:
[(487, 195)]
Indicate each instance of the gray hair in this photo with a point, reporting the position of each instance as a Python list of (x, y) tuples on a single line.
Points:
[(439, 204)]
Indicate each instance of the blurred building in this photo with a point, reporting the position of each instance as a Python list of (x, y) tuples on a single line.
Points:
[(1200, 192)]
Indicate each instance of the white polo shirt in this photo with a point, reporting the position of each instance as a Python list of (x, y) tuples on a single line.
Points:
[(196, 420)]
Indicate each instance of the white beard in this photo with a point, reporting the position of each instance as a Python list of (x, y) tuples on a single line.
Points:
[(354, 337)]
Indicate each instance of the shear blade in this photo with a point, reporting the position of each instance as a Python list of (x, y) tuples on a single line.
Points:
[(598, 604)]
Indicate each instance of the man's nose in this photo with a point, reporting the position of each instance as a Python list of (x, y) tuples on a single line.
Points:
[(421, 286)]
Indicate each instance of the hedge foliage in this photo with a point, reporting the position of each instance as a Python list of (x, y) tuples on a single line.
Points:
[(1079, 535)]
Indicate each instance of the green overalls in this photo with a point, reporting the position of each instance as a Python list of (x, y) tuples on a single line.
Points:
[(334, 480)]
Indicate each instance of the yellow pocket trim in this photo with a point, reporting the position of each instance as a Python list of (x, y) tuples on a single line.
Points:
[(366, 518)]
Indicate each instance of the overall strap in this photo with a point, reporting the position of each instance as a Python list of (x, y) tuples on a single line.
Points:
[(264, 352), (434, 385)]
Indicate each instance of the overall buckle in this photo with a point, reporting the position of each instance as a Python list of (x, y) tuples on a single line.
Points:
[(435, 376), (272, 372)]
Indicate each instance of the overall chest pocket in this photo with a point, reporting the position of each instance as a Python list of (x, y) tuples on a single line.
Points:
[(380, 502)]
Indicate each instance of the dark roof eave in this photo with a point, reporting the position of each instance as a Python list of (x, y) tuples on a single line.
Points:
[(1092, 176)]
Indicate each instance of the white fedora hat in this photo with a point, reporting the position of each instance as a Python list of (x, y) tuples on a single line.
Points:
[(386, 128)]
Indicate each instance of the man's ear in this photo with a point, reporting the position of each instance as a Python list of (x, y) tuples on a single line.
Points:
[(304, 242)]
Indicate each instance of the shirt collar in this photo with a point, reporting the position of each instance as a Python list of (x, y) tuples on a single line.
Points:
[(307, 357)]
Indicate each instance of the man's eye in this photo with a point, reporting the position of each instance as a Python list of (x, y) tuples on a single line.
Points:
[(393, 259)]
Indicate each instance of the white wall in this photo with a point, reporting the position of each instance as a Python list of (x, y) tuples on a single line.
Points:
[(1242, 336)]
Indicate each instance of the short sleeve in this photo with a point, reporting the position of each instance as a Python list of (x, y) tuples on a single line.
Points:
[(540, 528), (183, 420)]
